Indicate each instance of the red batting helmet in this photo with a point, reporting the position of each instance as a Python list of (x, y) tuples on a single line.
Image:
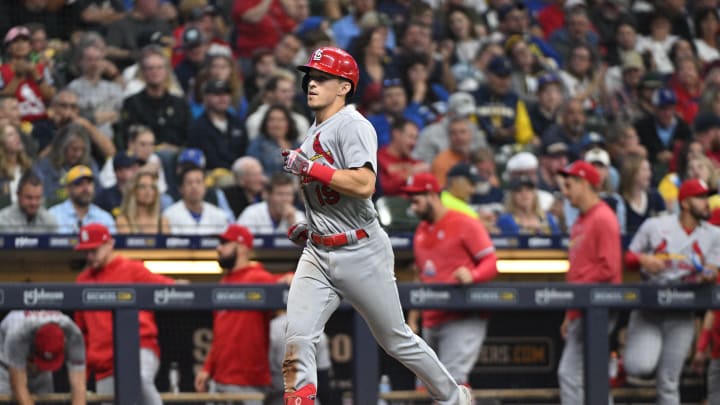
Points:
[(334, 61)]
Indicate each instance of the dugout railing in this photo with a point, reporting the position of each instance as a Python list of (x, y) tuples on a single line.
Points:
[(124, 301)]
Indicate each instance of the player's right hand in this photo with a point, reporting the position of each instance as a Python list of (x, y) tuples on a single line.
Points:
[(295, 162), (698, 362), (201, 381), (652, 264), (298, 233)]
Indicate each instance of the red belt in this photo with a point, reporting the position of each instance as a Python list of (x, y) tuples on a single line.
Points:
[(339, 239)]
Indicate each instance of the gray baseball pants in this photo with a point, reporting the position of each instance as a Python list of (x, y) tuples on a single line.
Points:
[(658, 343), (149, 365), (458, 343), (571, 370), (362, 274)]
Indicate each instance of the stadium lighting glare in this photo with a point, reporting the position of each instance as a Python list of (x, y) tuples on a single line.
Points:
[(183, 266), (533, 266)]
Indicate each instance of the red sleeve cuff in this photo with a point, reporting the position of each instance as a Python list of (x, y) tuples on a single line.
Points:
[(322, 173), (632, 260)]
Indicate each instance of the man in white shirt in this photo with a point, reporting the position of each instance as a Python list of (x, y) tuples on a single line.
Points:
[(192, 215), (277, 213)]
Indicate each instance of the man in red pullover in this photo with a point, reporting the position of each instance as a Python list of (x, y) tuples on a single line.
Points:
[(104, 266), (594, 254), (238, 360), (451, 248)]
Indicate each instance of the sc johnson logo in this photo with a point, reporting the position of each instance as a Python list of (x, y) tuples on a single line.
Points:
[(108, 296), (237, 296), (506, 296), (614, 296), (56, 242), (40, 297), (549, 296), (671, 296), (426, 295), (171, 296), (177, 242), (133, 242)]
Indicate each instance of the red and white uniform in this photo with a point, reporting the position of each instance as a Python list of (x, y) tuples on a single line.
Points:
[(97, 326), (28, 94), (394, 171), (241, 339), (453, 241)]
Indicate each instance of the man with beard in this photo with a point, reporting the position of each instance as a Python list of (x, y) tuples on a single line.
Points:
[(78, 210), (28, 215), (449, 247), (670, 250), (238, 360)]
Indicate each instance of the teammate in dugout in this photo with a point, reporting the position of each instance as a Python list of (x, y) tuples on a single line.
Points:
[(670, 250), (594, 254), (34, 344), (347, 254), (449, 247)]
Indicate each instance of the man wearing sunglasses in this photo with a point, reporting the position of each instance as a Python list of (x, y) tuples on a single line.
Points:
[(347, 255)]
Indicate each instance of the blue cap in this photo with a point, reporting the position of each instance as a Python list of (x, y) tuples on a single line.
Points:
[(548, 78), (500, 66), (464, 170), (506, 9), (123, 160), (592, 139), (193, 156), (308, 25), (664, 97)]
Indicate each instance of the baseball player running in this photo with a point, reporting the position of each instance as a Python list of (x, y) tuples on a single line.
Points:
[(450, 247), (670, 250), (347, 254)]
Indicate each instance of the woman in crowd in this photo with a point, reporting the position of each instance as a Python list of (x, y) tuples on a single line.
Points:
[(580, 77), (277, 132), (13, 163), (523, 215), (527, 67), (461, 30), (641, 200), (707, 25), (372, 59), (140, 210), (219, 67)]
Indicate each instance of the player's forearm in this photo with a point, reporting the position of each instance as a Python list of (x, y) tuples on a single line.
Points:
[(77, 387), (18, 384), (486, 269), (358, 183)]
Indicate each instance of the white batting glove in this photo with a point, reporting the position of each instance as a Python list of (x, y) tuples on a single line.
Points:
[(298, 233), (295, 162)]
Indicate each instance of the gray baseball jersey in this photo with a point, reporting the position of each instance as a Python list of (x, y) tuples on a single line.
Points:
[(344, 141), (684, 254)]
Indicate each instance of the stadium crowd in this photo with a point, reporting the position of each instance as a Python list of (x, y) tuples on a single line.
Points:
[(169, 116)]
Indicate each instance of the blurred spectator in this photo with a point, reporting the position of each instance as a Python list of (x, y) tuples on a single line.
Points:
[(569, 129), (706, 24), (421, 89), (434, 138), (31, 83), (449, 247), (259, 24), (286, 50), (527, 68), (553, 158), (417, 39), (348, 27), (239, 357), (105, 266), (659, 42), (167, 115), (600, 159), (52, 14), (551, 17), (622, 140), (461, 180), (595, 251), (582, 77), (371, 55), (140, 210), (78, 209), (662, 132), (395, 163), (277, 213), (206, 18), (28, 215), (395, 103), (110, 199), (626, 41), (262, 67), (124, 33), (277, 133), (34, 345), (523, 215), (97, 15), (191, 215), (218, 132), (134, 75), (192, 158), (649, 83), (487, 196), (526, 164), (622, 102), (223, 68), (70, 147), (249, 184), (657, 343), (543, 113), (13, 163), (687, 85), (514, 19), (470, 77), (99, 100), (458, 150), (461, 30), (195, 45), (706, 131), (577, 30), (501, 114), (670, 184), (641, 200), (605, 16), (280, 88), (10, 112)]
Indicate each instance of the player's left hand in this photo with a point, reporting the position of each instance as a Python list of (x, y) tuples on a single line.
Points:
[(295, 162), (298, 233), (463, 275)]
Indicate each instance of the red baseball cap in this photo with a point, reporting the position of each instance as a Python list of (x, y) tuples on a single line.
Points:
[(49, 347), (692, 188), (583, 170), (92, 236), (238, 233), (421, 183)]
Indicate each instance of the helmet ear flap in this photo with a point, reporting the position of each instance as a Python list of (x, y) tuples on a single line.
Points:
[(305, 83)]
